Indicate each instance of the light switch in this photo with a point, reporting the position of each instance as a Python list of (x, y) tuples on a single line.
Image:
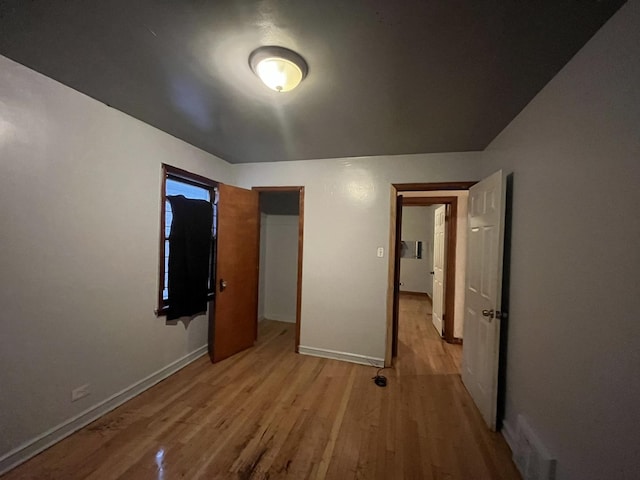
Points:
[(380, 252)]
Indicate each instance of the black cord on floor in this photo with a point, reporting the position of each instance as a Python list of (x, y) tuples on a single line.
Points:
[(380, 380)]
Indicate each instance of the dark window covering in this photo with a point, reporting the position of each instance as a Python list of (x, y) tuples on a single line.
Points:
[(190, 254)]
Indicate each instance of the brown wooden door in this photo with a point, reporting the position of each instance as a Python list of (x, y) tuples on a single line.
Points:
[(233, 325)]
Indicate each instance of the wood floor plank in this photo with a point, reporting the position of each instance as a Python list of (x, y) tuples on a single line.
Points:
[(268, 413)]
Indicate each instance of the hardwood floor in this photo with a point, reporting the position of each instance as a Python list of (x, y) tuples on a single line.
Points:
[(268, 413)]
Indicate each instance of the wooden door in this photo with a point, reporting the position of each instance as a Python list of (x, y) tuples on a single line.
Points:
[(233, 326), (439, 266), (485, 239)]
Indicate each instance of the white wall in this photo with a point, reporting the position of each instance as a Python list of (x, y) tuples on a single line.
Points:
[(79, 226), (280, 267), (417, 224), (347, 204), (573, 364)]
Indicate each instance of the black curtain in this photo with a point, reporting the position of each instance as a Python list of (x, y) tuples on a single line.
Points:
[(189, 256)]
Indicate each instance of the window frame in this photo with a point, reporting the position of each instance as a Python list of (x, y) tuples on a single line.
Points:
[(183, 176)]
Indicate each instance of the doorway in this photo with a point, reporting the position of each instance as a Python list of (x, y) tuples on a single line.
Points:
[(453, 196), (281, 211), (422, 255), (484, 306)]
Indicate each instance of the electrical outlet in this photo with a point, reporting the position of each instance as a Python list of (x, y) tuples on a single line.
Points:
[(380, 252), (80, 392)]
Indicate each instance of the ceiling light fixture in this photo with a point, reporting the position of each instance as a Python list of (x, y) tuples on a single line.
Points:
[(279, 68)]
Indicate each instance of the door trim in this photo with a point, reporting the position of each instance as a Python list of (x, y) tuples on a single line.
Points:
[(392, 334), (300, 190), (432, 187)]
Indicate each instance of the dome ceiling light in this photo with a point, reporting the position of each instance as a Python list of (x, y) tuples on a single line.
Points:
[(279, 68)]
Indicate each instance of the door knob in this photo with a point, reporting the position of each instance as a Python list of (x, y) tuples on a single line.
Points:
[(223, 284), (488, 313), (494, 314)]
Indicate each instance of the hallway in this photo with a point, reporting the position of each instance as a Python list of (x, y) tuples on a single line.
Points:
[(420, 350)]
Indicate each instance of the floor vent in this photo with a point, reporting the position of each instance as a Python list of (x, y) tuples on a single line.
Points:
[(530, 456)]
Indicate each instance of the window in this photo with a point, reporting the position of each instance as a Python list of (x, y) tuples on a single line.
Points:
[(180, 182)]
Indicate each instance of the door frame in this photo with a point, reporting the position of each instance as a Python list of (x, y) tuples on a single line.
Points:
[(300, 190), (392, 290)]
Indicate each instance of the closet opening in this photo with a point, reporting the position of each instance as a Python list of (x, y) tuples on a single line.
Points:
[(280, 266)]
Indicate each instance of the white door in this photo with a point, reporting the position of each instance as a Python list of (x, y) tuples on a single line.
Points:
[(485, 238), (439, 246)]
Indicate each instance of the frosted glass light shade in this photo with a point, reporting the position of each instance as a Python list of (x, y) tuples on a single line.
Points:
[(279, 74), (279, 68)]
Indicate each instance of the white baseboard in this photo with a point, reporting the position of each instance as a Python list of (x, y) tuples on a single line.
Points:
[(280, 318), (344, 356), (509, 435), (43, 441)]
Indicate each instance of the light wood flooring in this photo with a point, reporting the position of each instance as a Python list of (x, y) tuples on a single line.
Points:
[(268, 413)]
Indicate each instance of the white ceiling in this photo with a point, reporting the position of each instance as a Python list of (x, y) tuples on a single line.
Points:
[(384, 77)]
